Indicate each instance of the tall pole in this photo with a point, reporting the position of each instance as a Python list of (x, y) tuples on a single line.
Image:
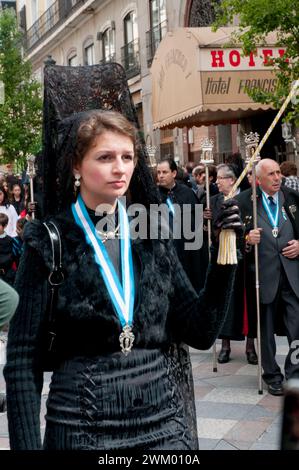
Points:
[(206, 160), (251, 141), (31, 174)]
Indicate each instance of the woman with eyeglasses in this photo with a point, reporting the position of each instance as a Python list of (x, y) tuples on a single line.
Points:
[(238, 324)]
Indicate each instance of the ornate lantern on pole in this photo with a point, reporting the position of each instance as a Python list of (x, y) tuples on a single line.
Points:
[(151, 151), (287, 134), (251, 142), (207, 159), (31, 172)]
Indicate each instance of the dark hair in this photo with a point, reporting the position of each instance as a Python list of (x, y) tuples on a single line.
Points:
[(288, 168), (190, 166), (5, 200), (172, 165), (3, 219)]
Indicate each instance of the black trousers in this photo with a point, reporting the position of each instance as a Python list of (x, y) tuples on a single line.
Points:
[(286, 297)]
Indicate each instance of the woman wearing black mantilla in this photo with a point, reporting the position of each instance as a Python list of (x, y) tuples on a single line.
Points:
[(123, 378)]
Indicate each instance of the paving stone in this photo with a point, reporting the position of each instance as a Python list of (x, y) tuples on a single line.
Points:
[(207, 444), (230, 381), (247, 431), (4, 443), (223, 445), (239, 445), (214, 428), (248, 369), (264, 446), (235, 411), (233, 395), (260, 413), (200, 391)]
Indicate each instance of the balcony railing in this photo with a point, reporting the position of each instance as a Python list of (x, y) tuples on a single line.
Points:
[(58, 12), (130, 58), (108, 59), (153, 38)]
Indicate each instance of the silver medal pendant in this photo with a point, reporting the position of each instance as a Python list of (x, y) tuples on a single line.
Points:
[(275, 232), (126, 339)]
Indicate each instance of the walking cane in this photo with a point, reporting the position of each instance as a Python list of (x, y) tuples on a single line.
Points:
[(206, 160), (251, 141), (31, 173)]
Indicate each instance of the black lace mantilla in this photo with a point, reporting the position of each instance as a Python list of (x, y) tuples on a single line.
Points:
[(69, 90)]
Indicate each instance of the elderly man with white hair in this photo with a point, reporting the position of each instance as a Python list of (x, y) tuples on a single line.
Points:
[(277, 236)]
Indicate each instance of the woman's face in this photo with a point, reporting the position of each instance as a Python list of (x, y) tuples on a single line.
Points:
[(106, 169), (16, 191), (224, 182)]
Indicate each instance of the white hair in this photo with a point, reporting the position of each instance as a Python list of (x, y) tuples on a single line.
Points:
[(261, 164)]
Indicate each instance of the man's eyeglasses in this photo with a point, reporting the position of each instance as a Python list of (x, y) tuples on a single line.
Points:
[(223, 177)]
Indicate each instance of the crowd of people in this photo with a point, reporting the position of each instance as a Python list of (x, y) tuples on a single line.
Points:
[(278, 254), (124, 309), (14, 213)]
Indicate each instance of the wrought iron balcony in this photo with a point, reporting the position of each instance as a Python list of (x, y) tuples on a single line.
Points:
[(153, 38), (56, 14), (108, 59), (130, 58)]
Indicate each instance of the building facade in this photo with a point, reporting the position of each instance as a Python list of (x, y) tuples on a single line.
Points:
[(79, 32)]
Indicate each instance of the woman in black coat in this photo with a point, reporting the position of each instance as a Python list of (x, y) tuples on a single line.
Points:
[(239, 322), (123, 309)]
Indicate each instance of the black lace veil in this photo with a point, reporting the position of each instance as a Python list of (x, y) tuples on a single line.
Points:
[(69, 90)]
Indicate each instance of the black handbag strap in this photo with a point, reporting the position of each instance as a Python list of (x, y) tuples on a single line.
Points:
[(55, 278)]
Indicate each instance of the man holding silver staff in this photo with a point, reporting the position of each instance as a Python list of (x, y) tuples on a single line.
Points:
[(277, 236)]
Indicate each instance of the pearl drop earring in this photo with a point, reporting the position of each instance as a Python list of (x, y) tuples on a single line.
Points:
[(77, 178)]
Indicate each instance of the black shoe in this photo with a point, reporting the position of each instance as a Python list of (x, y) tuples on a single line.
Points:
[(275, 388), (251, 357), (2, 402), (223, 356)]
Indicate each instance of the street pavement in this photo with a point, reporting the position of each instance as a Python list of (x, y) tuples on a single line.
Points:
[(230, 413)]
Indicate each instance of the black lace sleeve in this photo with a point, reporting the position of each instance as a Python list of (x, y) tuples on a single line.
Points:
[(23, 375), (198, 319)]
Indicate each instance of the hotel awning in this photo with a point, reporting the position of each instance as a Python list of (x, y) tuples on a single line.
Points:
[(196, 81)]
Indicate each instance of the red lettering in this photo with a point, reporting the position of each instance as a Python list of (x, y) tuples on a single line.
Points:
[(267, 53), (234, 58), (251, 62), (217, 59), (282, 54)]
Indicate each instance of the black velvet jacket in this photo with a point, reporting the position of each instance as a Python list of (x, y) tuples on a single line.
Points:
[(167, 311)]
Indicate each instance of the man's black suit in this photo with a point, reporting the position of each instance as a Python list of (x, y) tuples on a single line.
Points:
[(192, 260), (279, 276)]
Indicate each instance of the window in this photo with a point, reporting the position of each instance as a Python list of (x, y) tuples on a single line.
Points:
[(158, 27), (108, 45), (157, 12), (72, 60), (34, 10), (130, 26), (89, 55), (130, 51)]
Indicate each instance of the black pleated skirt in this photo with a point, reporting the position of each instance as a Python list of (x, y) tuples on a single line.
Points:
[(116, 402)]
